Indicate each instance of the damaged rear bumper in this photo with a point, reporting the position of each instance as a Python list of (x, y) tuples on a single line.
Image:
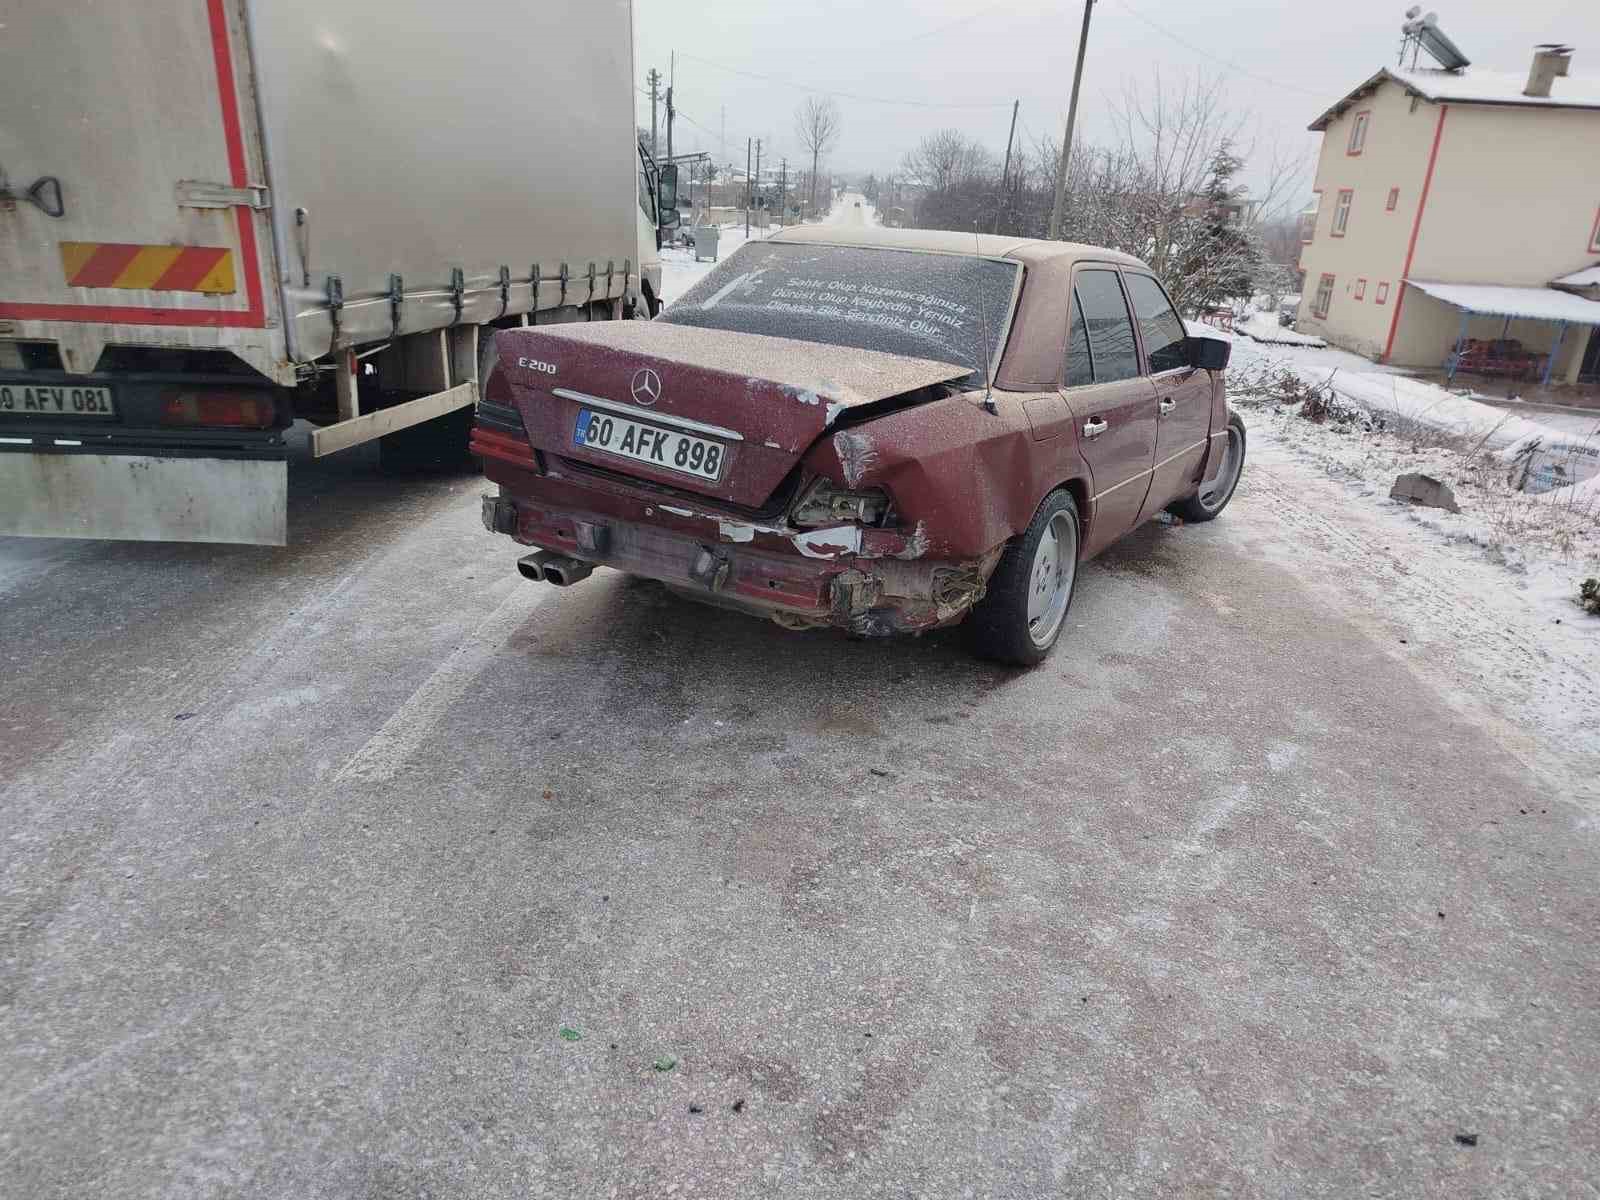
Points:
[(829, 578)]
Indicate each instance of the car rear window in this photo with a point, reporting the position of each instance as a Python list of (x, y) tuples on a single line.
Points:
[(948, 307)]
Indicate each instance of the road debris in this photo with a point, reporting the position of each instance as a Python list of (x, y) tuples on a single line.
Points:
[(1424, 490)]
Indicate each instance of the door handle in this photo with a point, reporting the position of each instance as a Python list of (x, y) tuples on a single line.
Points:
[(1093, 429), (1165, 405)]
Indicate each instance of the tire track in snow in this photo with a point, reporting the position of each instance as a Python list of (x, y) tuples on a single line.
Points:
[(1484, 655)]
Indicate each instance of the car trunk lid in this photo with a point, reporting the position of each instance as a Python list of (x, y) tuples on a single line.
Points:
[(762, 400)]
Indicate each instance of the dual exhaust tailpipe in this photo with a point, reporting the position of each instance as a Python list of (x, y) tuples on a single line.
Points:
[(558, 569)]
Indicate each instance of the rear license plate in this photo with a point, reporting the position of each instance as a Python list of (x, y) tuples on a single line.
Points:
[(664, 448), (55, 400)]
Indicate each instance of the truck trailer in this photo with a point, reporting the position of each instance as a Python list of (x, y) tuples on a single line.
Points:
[(218, 217)]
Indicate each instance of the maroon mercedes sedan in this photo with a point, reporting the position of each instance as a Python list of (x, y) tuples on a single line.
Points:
[(885, 431)]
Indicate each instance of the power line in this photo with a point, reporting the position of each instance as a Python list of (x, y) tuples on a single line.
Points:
[(815, 91), (893, 42), (1216, 58), (683, 116)]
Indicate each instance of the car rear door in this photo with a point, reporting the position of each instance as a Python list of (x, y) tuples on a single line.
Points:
[(1113, 404), (1183, 394)]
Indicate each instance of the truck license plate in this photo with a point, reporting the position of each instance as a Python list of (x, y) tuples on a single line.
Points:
[(664, 448), (55, 400)]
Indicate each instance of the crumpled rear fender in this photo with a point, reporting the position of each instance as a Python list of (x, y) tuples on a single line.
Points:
[(1219, 428), (964, 479)]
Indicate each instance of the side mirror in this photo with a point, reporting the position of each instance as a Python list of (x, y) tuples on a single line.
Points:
[(1208, 353), (667, 191)]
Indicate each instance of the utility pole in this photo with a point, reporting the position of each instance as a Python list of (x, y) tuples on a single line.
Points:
[(671, 79), (655, 82), (670, 113), (747, 147), (758, 170), (1005, 172), (783, 191), (1072, 117)]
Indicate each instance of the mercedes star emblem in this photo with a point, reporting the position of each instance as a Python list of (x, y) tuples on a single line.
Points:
[(646, 386)]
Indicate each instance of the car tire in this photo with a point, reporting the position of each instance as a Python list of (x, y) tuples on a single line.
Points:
[(1032, 584), (1207, 505)]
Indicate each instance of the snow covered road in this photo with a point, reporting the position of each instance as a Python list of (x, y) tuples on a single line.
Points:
[(364, 867)]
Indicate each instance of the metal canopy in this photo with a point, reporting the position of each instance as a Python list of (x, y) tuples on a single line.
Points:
[(1530, 303)]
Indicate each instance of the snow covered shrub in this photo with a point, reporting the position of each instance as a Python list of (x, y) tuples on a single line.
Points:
[(1589, 595), (1322, 405)]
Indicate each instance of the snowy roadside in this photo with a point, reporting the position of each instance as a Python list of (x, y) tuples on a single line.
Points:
[(1485, 599), (680, 271), (1502, 642)]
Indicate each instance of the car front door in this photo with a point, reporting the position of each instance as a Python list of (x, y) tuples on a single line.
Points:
[(1113, 404), (1183, 395)]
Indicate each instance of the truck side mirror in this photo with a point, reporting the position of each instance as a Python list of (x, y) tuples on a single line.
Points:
[(667, 191)]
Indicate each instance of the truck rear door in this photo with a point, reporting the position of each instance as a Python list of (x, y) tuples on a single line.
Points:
[(138, 325)]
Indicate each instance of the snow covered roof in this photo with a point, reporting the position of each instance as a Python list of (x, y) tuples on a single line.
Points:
[(1588, 277), (1477, 86), (1474, 86), (1535, 303)]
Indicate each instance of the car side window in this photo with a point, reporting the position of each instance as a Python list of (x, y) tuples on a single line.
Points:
[(1111, 346), (1163, 329), (1080, 370)]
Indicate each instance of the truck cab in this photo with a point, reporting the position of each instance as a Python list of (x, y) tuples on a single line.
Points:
[(658, 216)]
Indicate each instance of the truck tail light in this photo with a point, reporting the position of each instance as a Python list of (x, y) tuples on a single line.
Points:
[(235, 409)]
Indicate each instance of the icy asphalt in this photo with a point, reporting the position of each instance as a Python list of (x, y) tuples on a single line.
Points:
[(364, 868)]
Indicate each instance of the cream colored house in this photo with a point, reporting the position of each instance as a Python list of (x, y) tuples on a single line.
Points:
[(1457, 210)]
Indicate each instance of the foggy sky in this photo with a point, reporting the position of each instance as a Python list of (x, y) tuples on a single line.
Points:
[(1300, 55)]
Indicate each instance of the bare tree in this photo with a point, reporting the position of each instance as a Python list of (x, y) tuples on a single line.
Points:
[(816, 122), (947, 158)]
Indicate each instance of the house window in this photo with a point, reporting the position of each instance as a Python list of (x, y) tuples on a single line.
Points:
[(1361, 289), (1324, 300), (1394, 200), (1383, 291), (1308, 219), (1594, 235), (1358, 132), (1341, 211)]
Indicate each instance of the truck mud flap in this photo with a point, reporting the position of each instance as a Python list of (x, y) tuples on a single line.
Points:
[(147, 498)]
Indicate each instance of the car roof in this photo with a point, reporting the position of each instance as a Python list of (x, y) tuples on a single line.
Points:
[(951, 241)]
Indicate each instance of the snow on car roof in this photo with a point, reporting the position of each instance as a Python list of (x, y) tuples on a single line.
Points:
[(947, 241), (1474, 86), (1536, 303)]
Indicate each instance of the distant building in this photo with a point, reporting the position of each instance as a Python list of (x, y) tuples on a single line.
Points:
[(1456, 210), (1237, 209)]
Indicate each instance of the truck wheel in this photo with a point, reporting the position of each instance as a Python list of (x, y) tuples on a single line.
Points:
[(1025, 607), (1208, 503)]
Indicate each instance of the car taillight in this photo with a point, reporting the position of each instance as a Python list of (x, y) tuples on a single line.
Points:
[(239, 410)]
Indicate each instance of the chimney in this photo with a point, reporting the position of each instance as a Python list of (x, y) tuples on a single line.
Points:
[(1549, 60)]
